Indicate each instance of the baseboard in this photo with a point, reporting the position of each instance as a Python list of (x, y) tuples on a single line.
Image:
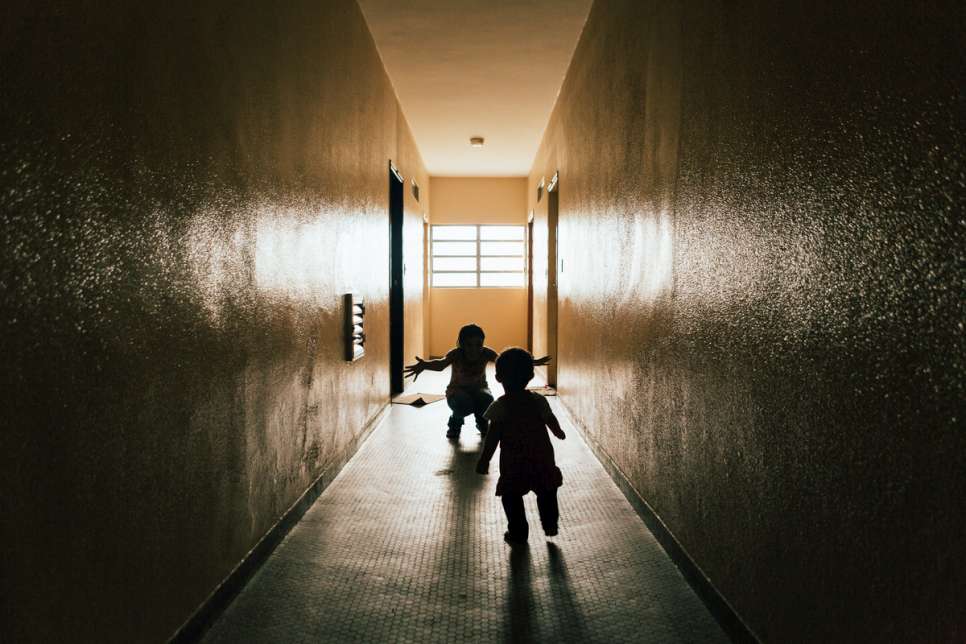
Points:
[(723, 612), (219, 599)]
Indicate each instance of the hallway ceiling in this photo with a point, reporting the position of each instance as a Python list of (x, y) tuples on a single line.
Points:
[(465, 68)]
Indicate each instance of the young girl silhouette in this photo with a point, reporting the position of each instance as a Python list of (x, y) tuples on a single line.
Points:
[(468, 392)]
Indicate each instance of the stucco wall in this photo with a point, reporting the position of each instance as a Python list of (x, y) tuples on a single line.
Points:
[(501, 312), (761, 311), (186, 190)]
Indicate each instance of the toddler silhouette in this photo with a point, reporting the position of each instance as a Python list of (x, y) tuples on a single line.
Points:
[(518, 424)]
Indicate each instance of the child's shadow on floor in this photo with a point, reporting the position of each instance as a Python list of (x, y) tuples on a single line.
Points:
[(567, 624), (564, 598), (520, 607), (460, 471)]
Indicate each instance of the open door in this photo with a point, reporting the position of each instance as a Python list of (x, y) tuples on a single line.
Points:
[(553, 204), (396, 318), (530, 282), (542, 279)]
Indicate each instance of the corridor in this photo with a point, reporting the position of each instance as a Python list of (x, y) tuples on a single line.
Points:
[(737, 230), (406, 546)]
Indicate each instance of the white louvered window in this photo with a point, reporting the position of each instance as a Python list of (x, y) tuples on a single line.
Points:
[(478, 256)]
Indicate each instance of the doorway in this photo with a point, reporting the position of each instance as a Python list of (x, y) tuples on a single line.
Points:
[(530, 282), (553, 203), (396, 319)]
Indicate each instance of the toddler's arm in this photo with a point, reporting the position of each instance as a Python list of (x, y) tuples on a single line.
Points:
[(539, 362), (493, 435), (422, 365), (554, 426)]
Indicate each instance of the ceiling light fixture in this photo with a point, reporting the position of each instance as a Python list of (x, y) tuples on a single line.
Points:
[(476, 141)]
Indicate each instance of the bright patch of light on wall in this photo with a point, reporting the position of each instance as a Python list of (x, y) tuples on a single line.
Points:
[(292, 255), (216, 257), (652, 263)]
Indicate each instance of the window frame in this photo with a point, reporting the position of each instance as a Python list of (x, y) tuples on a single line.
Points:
[(478, 257)]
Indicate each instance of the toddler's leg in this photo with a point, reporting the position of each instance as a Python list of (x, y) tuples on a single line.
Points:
[(517, 527), (549, 511), (461, 402)]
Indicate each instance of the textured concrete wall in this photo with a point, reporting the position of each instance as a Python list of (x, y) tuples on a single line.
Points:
[(762, 302), (186, 189)]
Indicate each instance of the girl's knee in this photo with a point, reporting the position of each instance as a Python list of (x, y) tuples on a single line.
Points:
[(460, 403)]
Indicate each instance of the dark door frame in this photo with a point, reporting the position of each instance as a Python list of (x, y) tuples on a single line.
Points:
[(553, 218), (530, 282), (396, 317)]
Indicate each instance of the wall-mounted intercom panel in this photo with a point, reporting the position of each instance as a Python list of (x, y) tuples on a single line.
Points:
[(354, 333)]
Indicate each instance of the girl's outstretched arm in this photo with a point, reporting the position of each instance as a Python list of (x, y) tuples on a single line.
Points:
[(539, 362), (422, 365)]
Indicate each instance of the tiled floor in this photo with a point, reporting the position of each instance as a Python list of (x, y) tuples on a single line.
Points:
[(406, 546)]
